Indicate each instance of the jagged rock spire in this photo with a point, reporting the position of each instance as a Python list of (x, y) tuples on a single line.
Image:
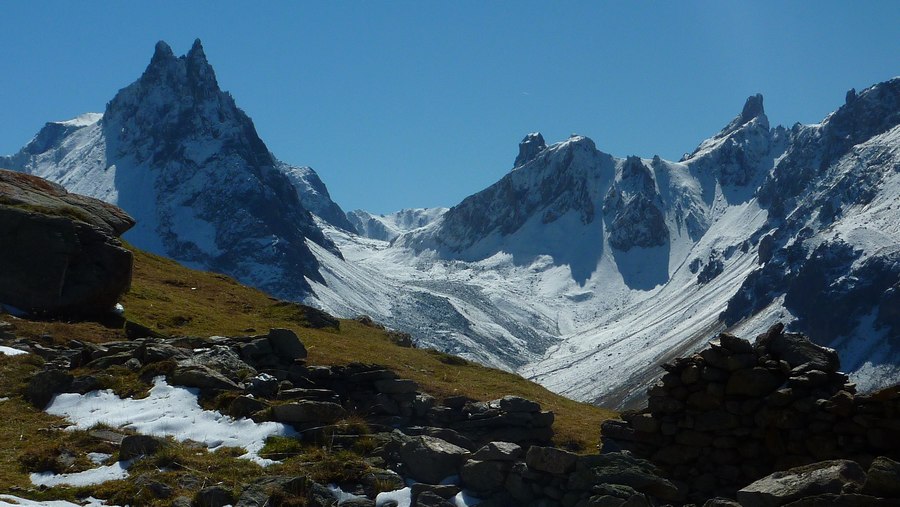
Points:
[(753, 107), (530, 146)]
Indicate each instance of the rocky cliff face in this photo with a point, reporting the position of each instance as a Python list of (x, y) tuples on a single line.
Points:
[(60, 254), (177, 153), (634, 209)]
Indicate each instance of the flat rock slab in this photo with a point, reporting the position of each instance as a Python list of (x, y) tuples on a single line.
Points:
[(781, 488)]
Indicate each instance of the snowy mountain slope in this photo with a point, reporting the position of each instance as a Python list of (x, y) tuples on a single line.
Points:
[(389, 226), (175, 151), (314, 195), (624, 263)]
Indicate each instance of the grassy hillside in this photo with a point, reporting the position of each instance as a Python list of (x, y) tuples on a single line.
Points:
[(173, 300)]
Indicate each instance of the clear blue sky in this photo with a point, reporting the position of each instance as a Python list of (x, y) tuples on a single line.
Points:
[(412, 104)]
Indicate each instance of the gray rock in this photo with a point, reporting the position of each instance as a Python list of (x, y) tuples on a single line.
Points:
[(444, 491), (263, 385), (883, 478), (498, 451), (517, 404), (308, 411), (735, 344), (624, 469), (299, 393), (136, 446), (484, 476), (245, 406), (156, 488), (60, 251), (797, 350), (784, 487), (550, 460), (156, 352), (202, 377), (214, 496), (286, 344), (223, 360), (44, 385), (431, 459), (377, 480)]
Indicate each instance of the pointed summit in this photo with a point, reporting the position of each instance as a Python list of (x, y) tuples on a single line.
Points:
[(529, 148), (162, 52), (753, 107), (196, 52)]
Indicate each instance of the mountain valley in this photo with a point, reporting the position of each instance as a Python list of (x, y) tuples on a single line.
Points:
[(578, 269)]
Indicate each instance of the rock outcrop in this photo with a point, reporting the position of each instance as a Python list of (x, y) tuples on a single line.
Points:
[(531, 145), (60, 251)]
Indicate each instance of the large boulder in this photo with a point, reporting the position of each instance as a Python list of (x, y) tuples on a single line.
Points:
[(60, 252), (780, 488)]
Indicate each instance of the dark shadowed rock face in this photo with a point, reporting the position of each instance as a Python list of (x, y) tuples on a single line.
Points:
[(530, 146), (634, 209), (60, 253)]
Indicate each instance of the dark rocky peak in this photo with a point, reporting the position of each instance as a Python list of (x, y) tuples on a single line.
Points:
[(529, 148), (199, 72), (176, 100), (753, 110), (864, 115), (162, 53), (634, 170), (634, 208), (753, 107)]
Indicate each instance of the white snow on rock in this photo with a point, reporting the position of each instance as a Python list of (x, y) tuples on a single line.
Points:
[(168, 411)]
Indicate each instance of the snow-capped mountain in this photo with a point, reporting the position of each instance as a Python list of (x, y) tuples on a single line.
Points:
[(614, 265), (175, 151), (389, 226)]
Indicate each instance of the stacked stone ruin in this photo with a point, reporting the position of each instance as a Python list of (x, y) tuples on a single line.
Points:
[(735, 412)]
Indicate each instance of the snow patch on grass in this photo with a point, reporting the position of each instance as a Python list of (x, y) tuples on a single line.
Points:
[(168, 411)]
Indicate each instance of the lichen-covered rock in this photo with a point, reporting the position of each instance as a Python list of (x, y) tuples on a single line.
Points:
[(431, 459), (820, 478), (883, 478), (550, 459), (308, 411), (201, 376)]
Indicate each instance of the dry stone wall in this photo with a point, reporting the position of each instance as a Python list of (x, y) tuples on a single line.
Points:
[(736, 412)]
